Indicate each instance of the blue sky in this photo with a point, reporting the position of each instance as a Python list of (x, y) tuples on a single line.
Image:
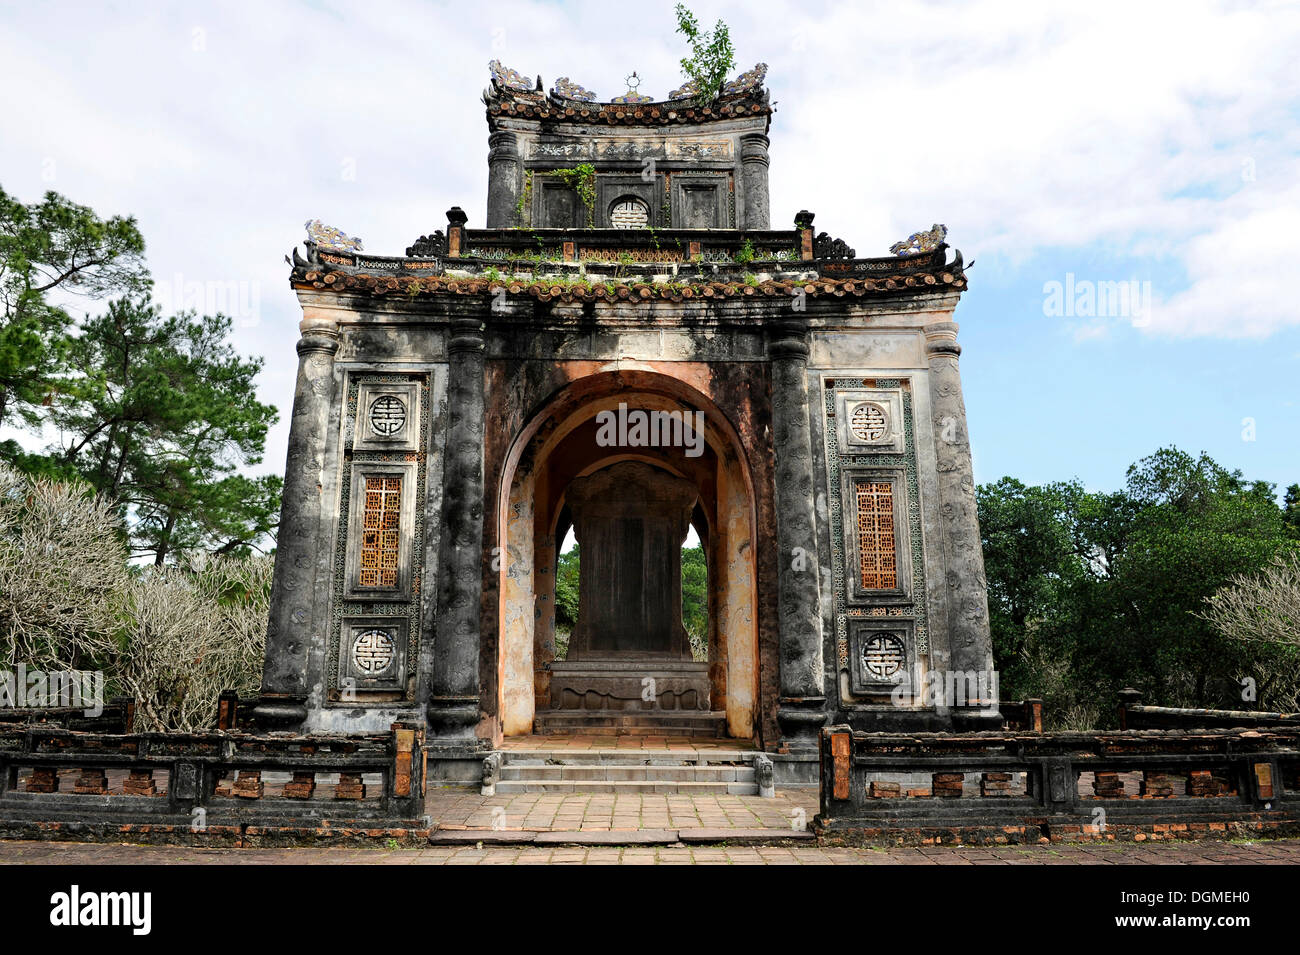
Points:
[(1111, 141)]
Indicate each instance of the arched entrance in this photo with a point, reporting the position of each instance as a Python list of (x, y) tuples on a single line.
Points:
[(654, 443)]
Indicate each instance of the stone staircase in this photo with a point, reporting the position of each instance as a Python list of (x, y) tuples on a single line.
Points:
[(628, 771)]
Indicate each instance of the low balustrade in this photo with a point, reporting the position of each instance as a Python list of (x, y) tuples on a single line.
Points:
[(1011, 787), (1135, 715), (51, 775)]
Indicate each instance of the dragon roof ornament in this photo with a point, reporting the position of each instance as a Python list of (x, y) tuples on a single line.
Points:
[(919, 242), (753, 79), (564, 89), (327, 237), (507, 78)]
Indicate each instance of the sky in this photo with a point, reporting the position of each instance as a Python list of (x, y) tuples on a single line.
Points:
[(1074, 151)]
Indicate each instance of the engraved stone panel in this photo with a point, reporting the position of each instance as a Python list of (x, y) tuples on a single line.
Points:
[(372, 653), (880, 654), (869, 420), (387, 417)]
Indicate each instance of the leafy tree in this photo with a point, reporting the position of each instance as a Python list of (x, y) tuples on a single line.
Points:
[(1090, 592), (162, 420), (1262, 612), (566, 589), (1291, 508), (52, 249), (712, 56), (695, 600)]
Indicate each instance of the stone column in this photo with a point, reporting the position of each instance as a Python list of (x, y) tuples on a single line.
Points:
[(754, 163), (969, 638), (802, 704), (293, 623), (453, 708), (503, 180)]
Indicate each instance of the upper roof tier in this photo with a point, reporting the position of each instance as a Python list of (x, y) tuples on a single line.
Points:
[(513, 95)]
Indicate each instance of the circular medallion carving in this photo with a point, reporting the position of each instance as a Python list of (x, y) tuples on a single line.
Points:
[(629, 213), (387, 415), (373, 652), (868, 422), (883, 656)]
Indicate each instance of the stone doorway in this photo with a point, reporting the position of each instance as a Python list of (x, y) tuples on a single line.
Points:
[(629, 651), (630, 504)]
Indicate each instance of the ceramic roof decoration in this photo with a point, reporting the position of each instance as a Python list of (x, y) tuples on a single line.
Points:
[(632, 96), (507, 78), (685, 91), (567, 90), (327, 237), (919, 242), (746, 81)]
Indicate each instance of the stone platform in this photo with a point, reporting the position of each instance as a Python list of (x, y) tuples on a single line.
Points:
[(639, 723)]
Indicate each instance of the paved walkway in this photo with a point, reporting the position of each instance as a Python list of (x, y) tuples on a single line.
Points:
[(595, 742), (1283, 852), (790, 808)]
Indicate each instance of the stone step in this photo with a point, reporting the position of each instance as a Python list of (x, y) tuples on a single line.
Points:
[(610, 772), (688, 787), (627, 757)]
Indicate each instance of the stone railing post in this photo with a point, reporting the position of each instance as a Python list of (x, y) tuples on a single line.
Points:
[(803, 221), (969, 636), (453, 707), (802, 703), (293, 622), (754, 164)]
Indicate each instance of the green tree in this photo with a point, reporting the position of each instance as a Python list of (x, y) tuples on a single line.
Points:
[(1089, 592), (566, 589), (712, 56), (50, 250), (695, 600), (162, 420)]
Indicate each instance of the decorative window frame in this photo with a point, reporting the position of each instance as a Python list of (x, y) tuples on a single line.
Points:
[(862, 629), (718, 182), (611, 188), (855, 593), (393, 680), (352, 587)]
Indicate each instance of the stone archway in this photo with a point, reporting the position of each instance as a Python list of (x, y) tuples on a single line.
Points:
[(560, 444)]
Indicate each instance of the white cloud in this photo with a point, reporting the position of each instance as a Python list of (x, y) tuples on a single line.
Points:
[(1025, 128)]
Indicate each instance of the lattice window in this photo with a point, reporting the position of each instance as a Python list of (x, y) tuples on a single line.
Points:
[(380, 531), (877, 562)]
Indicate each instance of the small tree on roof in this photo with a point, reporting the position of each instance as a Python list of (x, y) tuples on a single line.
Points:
[(712, 56)]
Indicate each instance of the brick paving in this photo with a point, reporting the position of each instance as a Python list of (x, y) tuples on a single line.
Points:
[(619, 741), (790, 808), (1282, 852)]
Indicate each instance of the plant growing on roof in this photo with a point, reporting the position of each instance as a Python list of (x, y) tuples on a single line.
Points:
[(582, 180), (712, 56), (524, 205)]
